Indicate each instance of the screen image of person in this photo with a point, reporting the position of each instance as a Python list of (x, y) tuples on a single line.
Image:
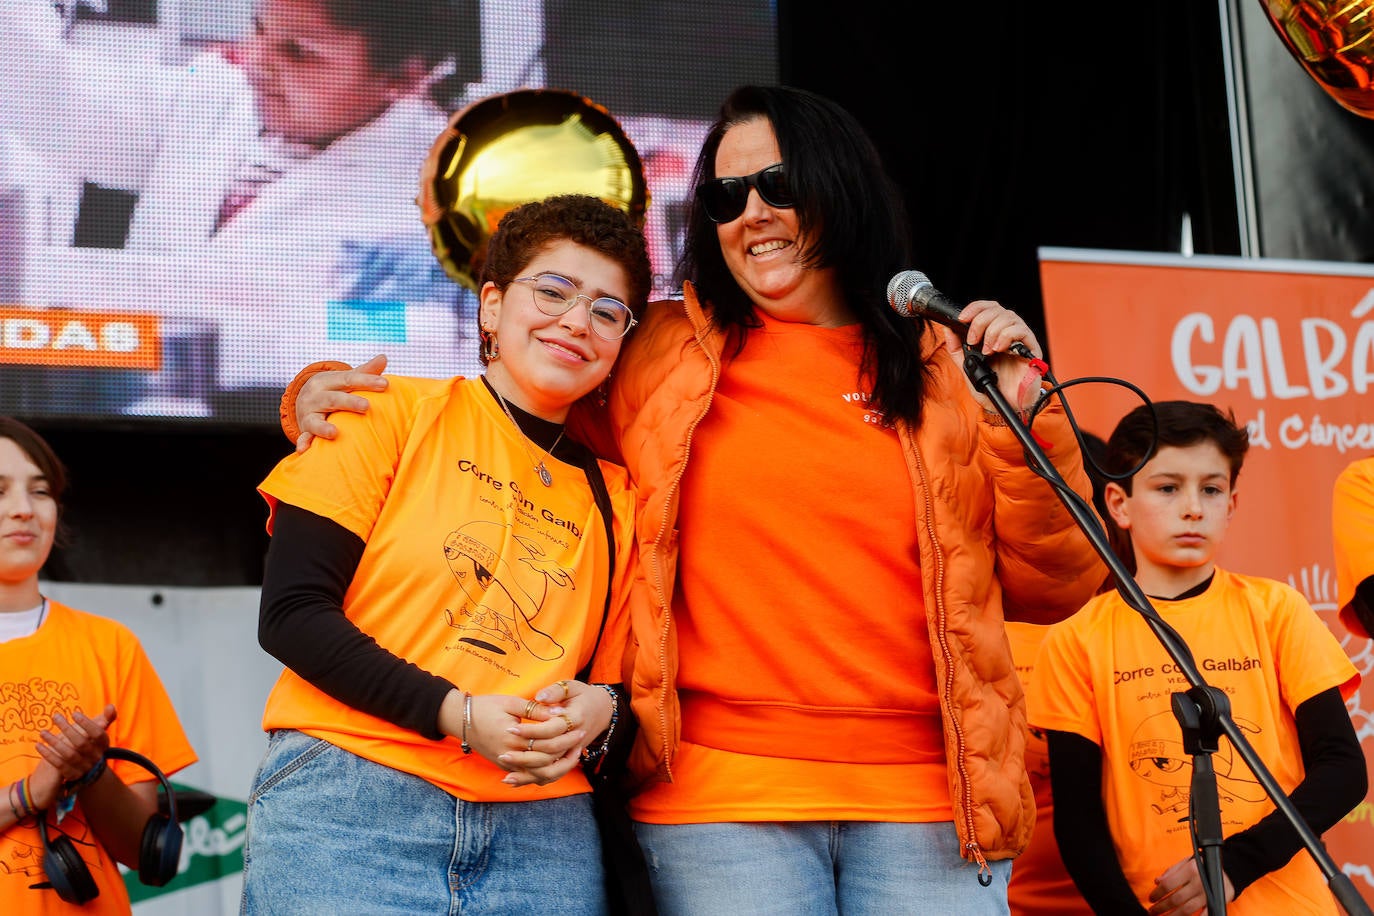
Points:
[(276, 208), (194, 197)]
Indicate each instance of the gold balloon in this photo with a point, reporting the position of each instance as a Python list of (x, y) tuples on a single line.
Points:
[(1334, 41), (513, 148)]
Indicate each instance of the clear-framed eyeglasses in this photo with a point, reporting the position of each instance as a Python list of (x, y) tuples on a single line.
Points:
[(553, 295)]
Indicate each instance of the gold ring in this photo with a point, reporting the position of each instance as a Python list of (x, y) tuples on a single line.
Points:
[(530, 707), (566, 692), (530, 746), (567, 718)]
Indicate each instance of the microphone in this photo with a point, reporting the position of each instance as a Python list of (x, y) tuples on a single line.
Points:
[(912, 295)]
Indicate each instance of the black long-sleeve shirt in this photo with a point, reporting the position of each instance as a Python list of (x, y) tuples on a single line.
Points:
[(1334, 782)]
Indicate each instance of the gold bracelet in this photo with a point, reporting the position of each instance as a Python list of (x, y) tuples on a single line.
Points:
[(993, 418)]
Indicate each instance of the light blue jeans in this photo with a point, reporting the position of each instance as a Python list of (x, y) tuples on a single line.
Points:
[(332, 833), (816, 868)]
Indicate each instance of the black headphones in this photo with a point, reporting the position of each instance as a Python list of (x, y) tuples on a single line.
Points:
[(159, 853)]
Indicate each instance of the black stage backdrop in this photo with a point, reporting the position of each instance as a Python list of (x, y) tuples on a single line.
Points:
[(1008, 125), (1014, 125)]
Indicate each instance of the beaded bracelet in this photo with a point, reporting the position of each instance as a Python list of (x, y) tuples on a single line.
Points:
[(587, 753), (467, 722)]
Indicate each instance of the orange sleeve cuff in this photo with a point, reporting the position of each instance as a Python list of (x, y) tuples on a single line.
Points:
[(287, 409)]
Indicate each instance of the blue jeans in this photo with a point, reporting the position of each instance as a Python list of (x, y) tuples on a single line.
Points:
[(332, 833), (816, 868)]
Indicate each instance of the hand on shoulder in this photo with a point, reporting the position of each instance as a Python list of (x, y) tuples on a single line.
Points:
[(322, 388)]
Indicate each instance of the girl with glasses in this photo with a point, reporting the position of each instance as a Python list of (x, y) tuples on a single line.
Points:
[(450, 555), (833, 528)]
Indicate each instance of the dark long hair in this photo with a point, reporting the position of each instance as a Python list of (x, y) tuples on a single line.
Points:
[(853, 219)]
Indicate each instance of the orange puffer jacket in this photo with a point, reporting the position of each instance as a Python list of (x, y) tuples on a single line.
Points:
[(997, 542)]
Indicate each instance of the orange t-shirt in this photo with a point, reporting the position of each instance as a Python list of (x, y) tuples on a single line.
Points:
[(805, 669), (1040, 885), (1103, 675), (1352, 521), (473, 569), (77, 660)]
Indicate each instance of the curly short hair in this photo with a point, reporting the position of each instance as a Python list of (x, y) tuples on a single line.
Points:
[(589, 221)]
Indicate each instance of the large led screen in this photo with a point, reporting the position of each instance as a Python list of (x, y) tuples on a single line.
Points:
[(198, 197)]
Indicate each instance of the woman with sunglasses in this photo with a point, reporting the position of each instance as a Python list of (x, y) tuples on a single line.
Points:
[(832, 527), (450, 555)]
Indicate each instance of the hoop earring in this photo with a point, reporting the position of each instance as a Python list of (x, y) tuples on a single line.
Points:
[(490, 350)]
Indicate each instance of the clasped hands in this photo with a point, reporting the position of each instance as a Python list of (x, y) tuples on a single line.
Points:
[(70, 750), (536, 741)]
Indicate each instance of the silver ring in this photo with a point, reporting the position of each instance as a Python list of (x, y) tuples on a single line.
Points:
[(530, 746)]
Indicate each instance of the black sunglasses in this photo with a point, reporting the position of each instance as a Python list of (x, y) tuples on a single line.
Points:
[(724, 199)]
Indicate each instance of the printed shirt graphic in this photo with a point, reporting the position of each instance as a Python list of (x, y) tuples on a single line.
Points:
[(77, 660), (1103, 675), (473, 570), (801, 620)]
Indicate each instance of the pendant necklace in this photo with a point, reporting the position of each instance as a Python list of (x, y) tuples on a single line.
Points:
[(544, 476)]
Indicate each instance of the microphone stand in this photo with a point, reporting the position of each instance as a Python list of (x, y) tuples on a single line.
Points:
[(1203, 712)]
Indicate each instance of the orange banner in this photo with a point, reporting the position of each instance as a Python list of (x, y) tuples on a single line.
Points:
[(63, 337), (1289, 347)]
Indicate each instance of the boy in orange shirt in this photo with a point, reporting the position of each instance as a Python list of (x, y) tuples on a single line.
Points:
[(1120, 777)]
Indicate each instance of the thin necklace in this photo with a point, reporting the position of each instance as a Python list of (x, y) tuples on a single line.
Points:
[(544, 476), (42, 612)]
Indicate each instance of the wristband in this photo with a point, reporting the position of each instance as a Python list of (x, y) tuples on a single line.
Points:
[(67, 800), (71, 787), (287, 408), (26, 797)]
